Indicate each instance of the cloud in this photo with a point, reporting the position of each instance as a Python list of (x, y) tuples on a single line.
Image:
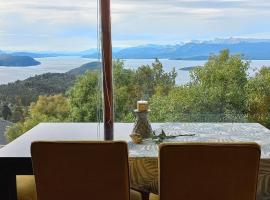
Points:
[(39, 24)]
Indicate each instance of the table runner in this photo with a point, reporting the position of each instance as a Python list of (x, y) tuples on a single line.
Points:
[(144, 157)]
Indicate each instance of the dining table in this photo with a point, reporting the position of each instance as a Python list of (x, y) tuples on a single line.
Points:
[(15, 157)]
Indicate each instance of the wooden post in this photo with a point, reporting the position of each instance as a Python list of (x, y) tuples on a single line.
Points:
[(106, 50)]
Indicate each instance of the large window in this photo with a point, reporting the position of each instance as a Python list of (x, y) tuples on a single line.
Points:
[(194, 61), (49, 65)]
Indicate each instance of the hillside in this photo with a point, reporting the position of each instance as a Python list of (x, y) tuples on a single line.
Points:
[(82, 69), (46, 84), (3, 125), (18, 61), (28, 90)]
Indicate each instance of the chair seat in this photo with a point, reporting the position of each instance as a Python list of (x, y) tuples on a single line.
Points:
[(26, 189), (153, 196)]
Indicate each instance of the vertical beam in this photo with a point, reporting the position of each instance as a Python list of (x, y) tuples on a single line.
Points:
[(106, 51)]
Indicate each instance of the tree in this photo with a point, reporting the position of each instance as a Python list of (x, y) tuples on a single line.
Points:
[(221, 84), (6, 112), (84, 98), (129, 87), (19, 111), (217, 92), (258, 97), (153, 79), (45, 109)]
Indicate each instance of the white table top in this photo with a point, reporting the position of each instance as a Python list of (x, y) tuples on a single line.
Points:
[(204, 132)]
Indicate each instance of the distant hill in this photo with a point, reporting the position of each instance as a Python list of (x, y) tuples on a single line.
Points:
[(197, 51), (188, 68), (18, 61), (253, 49), (46, 84), (82, 69), (35, 55), (193, 58)]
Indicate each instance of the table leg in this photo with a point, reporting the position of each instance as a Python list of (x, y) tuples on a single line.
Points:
[(8, 186), (9, 168)]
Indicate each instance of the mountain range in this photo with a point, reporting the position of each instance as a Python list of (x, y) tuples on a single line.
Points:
[(196, 51), (253, 49)]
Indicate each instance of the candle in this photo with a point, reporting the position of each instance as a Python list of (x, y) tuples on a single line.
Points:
[(142, 105)]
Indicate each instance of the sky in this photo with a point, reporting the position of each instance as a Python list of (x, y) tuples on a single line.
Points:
[(71, 25)]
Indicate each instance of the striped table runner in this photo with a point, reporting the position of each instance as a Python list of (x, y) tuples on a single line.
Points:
[(144, 157)]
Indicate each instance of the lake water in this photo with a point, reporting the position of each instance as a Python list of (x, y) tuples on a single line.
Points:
[(64, 64)]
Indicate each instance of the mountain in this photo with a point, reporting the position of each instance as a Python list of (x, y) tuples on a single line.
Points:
[(253, 49), (35, 55), (44, 54), (92, 53), (82, 69), (20, 61), (250, 48), (196, 51), (45, 84)]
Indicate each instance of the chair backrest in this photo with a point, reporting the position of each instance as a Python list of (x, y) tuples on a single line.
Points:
[(81, 170), (209, 171)]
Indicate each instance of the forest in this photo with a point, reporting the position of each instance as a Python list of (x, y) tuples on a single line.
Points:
[(219, 91)]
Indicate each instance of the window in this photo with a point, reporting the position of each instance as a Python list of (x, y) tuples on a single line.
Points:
[(48, 63), (194, 61)]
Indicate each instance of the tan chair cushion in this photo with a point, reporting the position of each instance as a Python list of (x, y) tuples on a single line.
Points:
[(134, 195), (153, 196), (26, 189)]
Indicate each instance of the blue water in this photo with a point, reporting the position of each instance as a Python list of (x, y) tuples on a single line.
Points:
[(64, 64)]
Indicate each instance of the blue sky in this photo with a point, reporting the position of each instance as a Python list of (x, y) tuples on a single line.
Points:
[(71, 25)]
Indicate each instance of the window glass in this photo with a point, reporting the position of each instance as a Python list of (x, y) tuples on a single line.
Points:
[(49, 65), (193, 61)]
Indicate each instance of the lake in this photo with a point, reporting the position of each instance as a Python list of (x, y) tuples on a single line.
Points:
[(64, 64)]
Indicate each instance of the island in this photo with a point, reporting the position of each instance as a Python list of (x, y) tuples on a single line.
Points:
[(189, 68), (17, 61)]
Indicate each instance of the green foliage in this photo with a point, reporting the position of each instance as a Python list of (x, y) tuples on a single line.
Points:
[(19, 112), (258, 97), (84, 97), (221, 84), (220, 91), (216, 92), (6, 112), (46, 109), (143, 83), (53, 108), (30, 89), (125, 95), (152, 79), (129, 86), (45, 84)]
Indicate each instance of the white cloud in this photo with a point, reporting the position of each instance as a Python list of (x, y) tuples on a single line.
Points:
[(71, 24)]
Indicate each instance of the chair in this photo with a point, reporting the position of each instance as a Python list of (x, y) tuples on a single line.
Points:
[(81, 170), (208, 171)]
